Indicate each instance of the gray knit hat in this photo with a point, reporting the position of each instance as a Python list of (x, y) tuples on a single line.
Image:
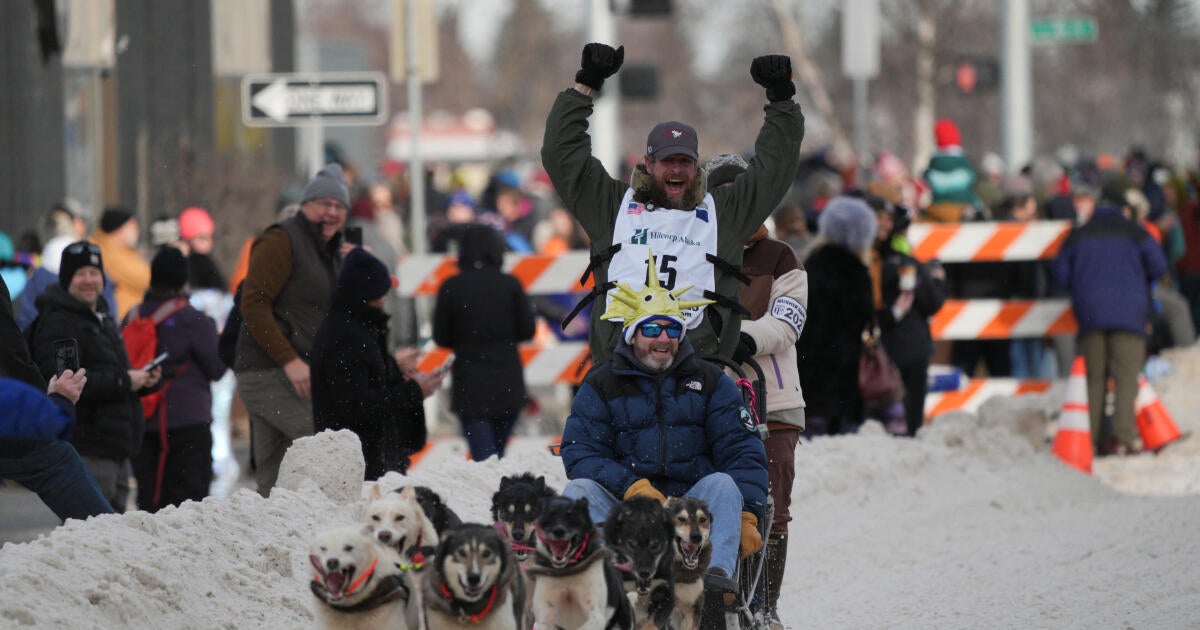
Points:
[(848, 221), (328, 183)]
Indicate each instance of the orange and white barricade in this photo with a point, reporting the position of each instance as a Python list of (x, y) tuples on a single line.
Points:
[(539, 274), (1003, 319), (977, 391), (987, 241), (545, 364)]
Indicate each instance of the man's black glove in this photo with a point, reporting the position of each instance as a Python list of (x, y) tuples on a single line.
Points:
[(746, 349), (599, 62), (774, 72)]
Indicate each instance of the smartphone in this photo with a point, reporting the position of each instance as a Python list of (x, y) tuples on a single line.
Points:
[(156, 362), (66, 355), (353, 234), (445, 366)]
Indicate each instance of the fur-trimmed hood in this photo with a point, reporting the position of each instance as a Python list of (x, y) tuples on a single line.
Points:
[(640, 181)]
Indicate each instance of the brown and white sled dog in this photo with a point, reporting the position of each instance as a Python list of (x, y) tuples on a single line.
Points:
[(693, 552), (396, 521), (474, 581), (575, 586), (356, 582)]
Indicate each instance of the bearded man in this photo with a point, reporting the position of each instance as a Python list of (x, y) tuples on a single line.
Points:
[(697, 235)]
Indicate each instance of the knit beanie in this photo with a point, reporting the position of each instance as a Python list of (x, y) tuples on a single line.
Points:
[(723, 169), (76, 256), (113, 219), (328, 183), (169, 269), (849, 222), (363, 277), (945, 132), (193, 222)]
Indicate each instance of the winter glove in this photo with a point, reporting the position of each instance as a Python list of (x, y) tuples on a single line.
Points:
[(746, 349), (774, 72), (642, 488), (751, 540), (599, 62)]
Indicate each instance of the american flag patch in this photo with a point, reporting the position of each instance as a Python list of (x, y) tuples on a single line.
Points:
[(634, 208)]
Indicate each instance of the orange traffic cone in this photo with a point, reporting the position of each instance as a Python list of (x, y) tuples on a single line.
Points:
[(1073, 442), (1153, 421)]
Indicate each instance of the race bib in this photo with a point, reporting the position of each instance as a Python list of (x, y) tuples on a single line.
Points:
[(789, 311)]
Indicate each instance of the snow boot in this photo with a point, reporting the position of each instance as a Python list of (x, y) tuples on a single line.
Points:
[(776, 561)]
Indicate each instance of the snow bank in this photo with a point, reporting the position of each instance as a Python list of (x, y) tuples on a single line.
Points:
[(972, 524)]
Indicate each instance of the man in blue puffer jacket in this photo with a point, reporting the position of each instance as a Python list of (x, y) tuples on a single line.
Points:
[(1109, 264), (658, 421)]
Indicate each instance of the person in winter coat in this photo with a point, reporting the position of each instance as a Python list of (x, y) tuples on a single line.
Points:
[(175, 462), (196, 228), (35, 426), (906, 295), (777, 299), (658, 421), (109, 423), (839, 295), (117, 237), (47, 274), (697, 236), (951, 177), (1109, 265), (357, 384), (482, 314), (286, 294)]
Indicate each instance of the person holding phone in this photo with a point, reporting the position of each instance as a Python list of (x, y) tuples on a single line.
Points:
[(37, 454), (357, 384), (109, 422), (175, 462)]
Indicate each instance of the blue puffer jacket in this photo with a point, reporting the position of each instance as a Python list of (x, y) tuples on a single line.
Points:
[(672, 428), (29, 413), (1108, 264)]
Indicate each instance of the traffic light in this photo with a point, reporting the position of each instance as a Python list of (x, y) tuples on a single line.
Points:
[(649, 8), (973, 75), (639, 82)]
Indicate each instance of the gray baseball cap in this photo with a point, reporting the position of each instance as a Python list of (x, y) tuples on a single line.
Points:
[(672, 138)]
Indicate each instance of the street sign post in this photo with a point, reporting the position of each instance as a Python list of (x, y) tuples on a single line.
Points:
[(325, 98), (1063, 30)]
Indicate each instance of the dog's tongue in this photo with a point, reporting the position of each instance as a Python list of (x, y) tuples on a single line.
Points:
[(690, 552), (335, 583), (559, 548)]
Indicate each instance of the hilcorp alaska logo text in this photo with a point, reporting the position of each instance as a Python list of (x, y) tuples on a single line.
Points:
[(642, 236)]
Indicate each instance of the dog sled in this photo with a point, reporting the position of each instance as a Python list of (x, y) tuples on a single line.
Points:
[(747, 609)]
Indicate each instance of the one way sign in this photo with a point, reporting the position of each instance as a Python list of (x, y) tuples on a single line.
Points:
[(327, 98)]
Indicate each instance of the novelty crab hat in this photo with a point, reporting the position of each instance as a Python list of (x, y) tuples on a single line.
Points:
[(653, 301)]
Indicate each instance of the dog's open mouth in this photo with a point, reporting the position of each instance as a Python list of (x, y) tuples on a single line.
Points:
[(689, 553), (333, 582), (471, 593), (560, 550)]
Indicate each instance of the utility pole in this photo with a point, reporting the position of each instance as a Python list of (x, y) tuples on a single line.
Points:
[(416, 164), (606, 130), (1016, 86)]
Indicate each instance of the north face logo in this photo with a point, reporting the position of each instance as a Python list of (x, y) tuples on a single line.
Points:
[(639, 236), (676, 134), (694, 385)]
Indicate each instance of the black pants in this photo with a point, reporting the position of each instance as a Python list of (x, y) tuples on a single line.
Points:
[(916, 385), (966, 354), (187, 471)]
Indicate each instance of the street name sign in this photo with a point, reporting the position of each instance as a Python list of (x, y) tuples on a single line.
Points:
[(323, 98), (1055, 30)]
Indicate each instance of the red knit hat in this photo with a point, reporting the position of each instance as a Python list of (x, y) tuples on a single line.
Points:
[(945, 132)]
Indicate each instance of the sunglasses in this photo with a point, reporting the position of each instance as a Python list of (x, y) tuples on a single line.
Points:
[(654, 329), (82, 246)]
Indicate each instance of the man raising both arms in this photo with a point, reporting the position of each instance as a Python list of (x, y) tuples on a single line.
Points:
[(697, 236)]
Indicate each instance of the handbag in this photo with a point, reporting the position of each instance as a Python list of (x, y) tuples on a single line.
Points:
[(879, 379)]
